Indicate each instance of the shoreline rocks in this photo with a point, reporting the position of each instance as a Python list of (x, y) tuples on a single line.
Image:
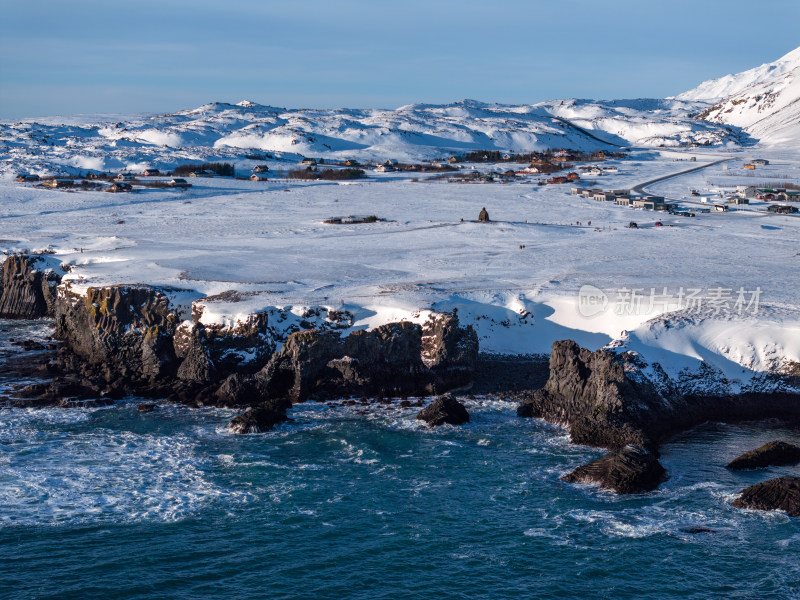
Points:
[(631, 470), (259, 419), (782, 493), (771, 454), (606, 399), (27, 287), (444, 410), (128, 339)]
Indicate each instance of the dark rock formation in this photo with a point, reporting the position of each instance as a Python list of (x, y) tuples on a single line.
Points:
[(295, 370), (393, 359), (630, 470), (782, 493), (606, 400), (258, 419), (775, 453), (121, 334), (594, 395), (450, 351), (27, 288), (445, 409), (196, 366), (127, 339)]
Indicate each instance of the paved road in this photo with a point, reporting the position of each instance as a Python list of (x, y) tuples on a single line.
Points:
[(640, 189)]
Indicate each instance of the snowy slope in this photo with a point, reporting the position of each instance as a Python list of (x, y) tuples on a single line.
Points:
[(409, 133), (764, 101)]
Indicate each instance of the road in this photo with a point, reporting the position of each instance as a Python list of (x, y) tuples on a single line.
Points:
[(641, 188)]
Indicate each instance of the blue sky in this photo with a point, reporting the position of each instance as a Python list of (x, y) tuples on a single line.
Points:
[(87, 56)]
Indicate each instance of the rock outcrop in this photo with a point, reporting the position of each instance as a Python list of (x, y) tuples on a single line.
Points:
[(775, 453), (450, 351), (258, 419), (606, 399), (630, 470), (393, 359), (128, 339), (444, 409), (122, 335), (593, 394), (27, 288), (782, 493)]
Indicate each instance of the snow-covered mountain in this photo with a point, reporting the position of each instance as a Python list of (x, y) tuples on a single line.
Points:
[(414, 132), (761, 104), (764, 101)]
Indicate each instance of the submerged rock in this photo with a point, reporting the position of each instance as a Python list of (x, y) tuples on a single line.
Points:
[(775, 453), (782, 493), (445, 409), (258, 419), (631, 470)]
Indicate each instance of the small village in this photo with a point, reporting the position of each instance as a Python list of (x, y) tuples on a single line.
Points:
[(556, 167)]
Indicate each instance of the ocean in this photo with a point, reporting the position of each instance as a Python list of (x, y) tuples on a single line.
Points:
[(366, 502)]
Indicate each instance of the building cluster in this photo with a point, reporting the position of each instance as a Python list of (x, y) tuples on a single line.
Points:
[(621, 198), (121, 182)]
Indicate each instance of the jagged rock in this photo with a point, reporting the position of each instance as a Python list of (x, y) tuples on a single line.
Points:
[(445, 409), (27, 291), (782, 493), (122, 333), (59, 392), (258, 419), (294, 371), (593, 394), (775, 453), (197, 366), (450, 351), (242, 348), (245, 390), (387, 360), (630, 470)]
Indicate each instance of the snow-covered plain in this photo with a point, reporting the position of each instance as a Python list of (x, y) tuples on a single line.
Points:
[(267, 240)]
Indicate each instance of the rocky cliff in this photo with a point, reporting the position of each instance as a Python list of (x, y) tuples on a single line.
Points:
[(606, 399), (27, 287), (128, 339)]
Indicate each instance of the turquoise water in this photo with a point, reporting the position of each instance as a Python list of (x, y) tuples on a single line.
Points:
[(111, 503)]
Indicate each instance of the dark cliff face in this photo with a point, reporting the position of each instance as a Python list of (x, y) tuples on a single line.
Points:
[(592, 394), (120, 332), (28, 289), (129, 338), (450, 351), (388, 360)]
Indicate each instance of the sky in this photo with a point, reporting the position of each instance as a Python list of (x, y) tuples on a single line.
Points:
[(90, 56)]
